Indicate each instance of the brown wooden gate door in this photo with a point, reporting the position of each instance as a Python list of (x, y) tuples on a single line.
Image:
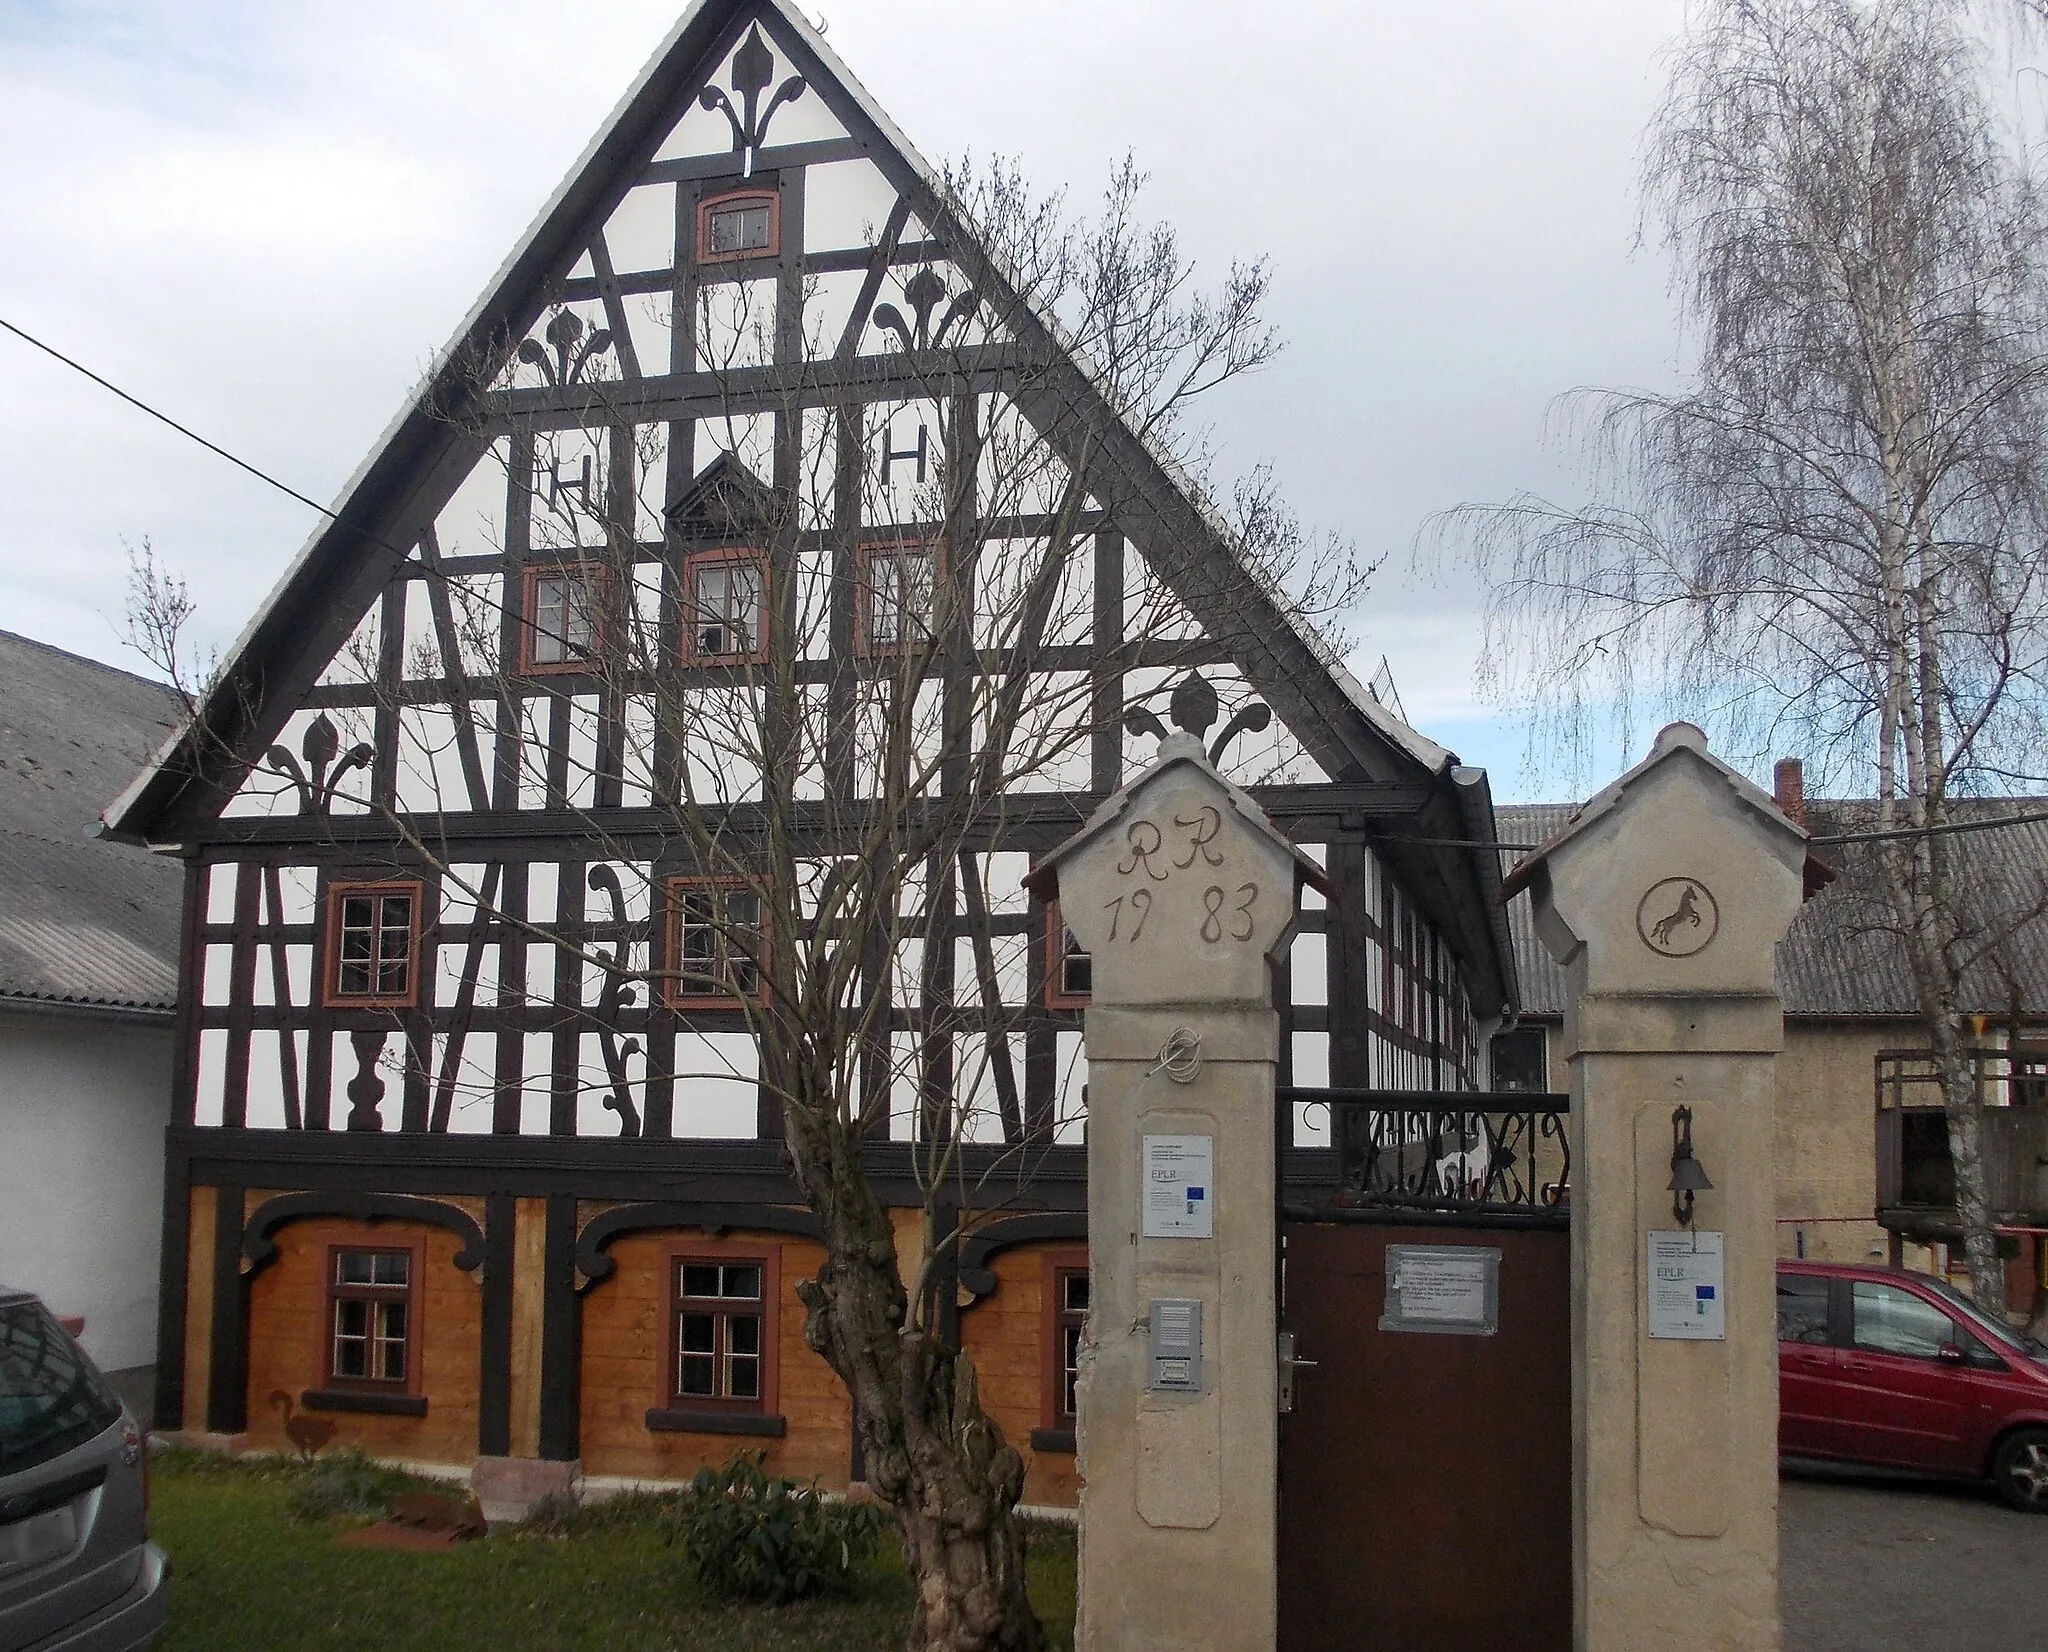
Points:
[(1425, 1480)]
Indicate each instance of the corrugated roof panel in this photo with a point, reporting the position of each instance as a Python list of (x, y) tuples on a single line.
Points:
[(81, 921)]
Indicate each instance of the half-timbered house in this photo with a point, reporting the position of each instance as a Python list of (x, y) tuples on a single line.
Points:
[(472, 1153)]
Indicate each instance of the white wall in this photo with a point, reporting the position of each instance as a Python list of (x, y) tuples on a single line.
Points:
[(83, 1105)]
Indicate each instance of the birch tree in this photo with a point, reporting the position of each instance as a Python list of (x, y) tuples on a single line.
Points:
[(1832, 540)]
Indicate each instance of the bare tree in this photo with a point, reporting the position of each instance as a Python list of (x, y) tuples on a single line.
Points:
[(1834, 539), (840, 741)]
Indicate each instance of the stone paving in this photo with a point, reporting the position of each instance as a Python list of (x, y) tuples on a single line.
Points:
[(1880, 1564)]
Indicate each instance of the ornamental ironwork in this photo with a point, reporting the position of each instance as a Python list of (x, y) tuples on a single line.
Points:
[(1484, 1154)]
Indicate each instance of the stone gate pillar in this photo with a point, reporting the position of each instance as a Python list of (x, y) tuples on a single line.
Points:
[(1181, 891), (1664, 900)]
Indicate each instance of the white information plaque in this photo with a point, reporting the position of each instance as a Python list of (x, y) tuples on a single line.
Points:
[(1687, 1301), (1180, 1186), (1448, 1289)]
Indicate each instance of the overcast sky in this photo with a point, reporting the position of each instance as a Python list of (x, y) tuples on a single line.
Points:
[(265, 219)]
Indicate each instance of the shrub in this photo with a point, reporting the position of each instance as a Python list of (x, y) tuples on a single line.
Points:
[(753, 1538), (347, 1482)]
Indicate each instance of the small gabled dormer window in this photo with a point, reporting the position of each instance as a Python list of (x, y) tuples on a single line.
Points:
[(725, 608), (740, 225), (563, 616)]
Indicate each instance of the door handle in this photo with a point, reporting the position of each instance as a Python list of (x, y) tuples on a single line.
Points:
[(1289, 1362)]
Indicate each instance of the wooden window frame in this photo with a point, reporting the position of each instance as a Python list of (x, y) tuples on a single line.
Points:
[(674, 993), (678, 1413), (331, 995), (1056, 1427), (689, 653), (770, 197), (865, 553), (339, 1393), (593, 576), (1056, 997)]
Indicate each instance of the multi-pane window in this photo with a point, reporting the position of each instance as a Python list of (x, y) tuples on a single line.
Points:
[(370, 1317), (1070, 1317), (720, 1341), (1069, 972), (898, 587), (736, 226), (562, 616), (715, 941), (373, 935), (724, 608)]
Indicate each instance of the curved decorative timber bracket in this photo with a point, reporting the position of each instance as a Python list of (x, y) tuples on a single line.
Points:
[(984, 1245), (596, 1267), (259, 1246)]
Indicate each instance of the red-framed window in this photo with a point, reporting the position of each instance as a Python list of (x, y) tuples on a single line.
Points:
[(1069, 972), (372, 1324), (722, 1327), (715, 943), (372, 944), (563, 616), (741, 223), (1064, 1321), (897, 594), (725, 608)]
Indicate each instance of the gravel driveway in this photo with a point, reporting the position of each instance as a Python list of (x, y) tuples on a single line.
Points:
[(1880, 1564)]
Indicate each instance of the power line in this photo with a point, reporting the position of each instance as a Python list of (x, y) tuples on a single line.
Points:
[(165, 418), (1829, 838)]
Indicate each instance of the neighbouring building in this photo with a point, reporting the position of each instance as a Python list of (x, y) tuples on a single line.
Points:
[(470, 1152), (88, 985), (1862, 1156)]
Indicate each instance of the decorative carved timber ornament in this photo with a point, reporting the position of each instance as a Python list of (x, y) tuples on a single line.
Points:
[(1193, 708), (725, 500), (985, 1244), (924, 291), (316, 789), (366, 1089), (594, 1267), (574, 352), (259, 1244), (753, 72), (618, 994)]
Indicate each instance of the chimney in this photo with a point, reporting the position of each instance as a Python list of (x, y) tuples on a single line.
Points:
[(1788, 787)]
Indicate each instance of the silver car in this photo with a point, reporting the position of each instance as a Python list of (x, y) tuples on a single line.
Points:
[(77, 1570)]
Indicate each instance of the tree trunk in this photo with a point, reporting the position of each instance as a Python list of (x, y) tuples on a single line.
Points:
[(1974, 1214), (933, 1456)]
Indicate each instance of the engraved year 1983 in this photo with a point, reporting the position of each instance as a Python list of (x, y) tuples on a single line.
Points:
[(1154, 855)]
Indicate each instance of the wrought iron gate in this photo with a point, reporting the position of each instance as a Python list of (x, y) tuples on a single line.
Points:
[(1425, 1479)]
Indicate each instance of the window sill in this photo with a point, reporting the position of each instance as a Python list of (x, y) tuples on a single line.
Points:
[(668, 1420), (1053, 1439), (376, 1405)]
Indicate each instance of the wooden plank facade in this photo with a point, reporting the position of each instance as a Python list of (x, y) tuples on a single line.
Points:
[(456, 1168)]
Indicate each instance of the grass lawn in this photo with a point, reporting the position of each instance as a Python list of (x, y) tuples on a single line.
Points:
[(245, 1574)]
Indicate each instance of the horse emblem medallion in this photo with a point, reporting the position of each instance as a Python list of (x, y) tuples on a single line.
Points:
[(1677, 917)]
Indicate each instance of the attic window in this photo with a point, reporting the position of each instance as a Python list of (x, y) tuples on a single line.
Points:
[(737, 226), (562, 609), (897, 588), (725, 608)]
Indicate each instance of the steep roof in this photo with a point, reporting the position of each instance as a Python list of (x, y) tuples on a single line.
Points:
[(347, 560), (1840, 957), (81, 922)]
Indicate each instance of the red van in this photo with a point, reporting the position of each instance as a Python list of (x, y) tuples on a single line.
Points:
[(1898, 1370)]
